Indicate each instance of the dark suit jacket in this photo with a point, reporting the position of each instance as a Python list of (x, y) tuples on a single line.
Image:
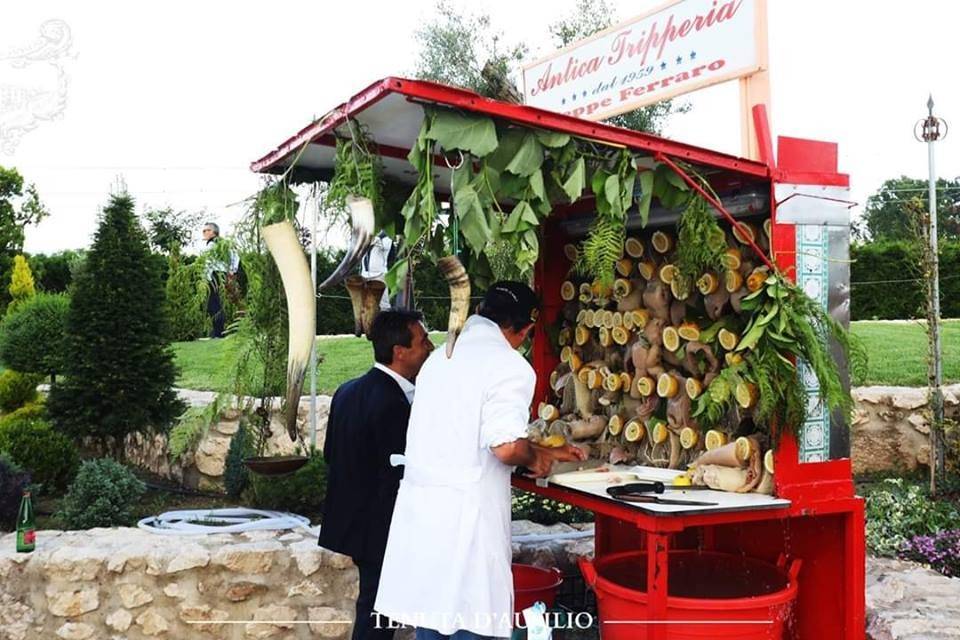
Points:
[(367, 423)]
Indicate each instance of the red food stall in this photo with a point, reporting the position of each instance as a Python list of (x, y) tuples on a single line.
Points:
[(816, 516)]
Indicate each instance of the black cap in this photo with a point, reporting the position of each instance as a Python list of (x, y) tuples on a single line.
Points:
[(510, 303)]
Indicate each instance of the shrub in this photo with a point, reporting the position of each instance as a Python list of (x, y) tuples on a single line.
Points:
[(530, 506), (17, 389), (301, 492), (32, 443), (186, 295), (941, 551), (21, 283), (119, 371), (897, 511), (32, 338), (236, 476), (53, 272), (103, 495), (13, 481), (27, 411)]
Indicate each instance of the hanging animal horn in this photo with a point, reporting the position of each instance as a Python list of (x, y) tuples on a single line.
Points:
[(354, 285), (459, 283), (283, 244), (361, 238), (372, 293)]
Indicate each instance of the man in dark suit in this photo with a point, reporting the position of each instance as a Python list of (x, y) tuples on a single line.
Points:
[(367, 424)]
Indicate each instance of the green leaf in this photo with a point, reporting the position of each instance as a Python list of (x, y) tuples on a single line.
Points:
[(574, 184), (646, 196), (416, 154), (510, 142), (611, 191), (598, 180), (536, 185), (396, 275), (771, 310), (529, 157), (474, 134), (520, 219), (552, 139), (674, 179), (750, 340), (473, 218)]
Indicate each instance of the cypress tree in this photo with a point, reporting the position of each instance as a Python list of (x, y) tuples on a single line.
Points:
[(119, 373)]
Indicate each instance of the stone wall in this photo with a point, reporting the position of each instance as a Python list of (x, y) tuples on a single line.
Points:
[(203, 467), (114, 584), (891, 427)]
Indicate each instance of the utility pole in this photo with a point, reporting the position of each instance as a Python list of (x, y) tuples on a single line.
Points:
[(930, 131)]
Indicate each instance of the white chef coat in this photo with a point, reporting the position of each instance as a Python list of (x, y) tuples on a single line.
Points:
[(448, 556)]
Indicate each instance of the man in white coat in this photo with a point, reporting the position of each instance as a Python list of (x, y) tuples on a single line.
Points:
[(446, 569)]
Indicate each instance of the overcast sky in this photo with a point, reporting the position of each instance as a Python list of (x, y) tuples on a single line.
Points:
[(179, 97)]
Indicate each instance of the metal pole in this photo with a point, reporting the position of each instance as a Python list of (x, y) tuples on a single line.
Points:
[(931, 133), (313, 347)]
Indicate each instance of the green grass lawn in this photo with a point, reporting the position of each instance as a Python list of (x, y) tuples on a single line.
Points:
[(897, 354), (209, 364)]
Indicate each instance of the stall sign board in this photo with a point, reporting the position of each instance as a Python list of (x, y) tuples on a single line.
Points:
[(677, 48)]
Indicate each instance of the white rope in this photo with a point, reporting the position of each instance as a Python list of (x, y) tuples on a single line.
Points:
[(233, 520)]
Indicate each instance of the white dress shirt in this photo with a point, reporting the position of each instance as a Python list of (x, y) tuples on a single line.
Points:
[(405, 385)]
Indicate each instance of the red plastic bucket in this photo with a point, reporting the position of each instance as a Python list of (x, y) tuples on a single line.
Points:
[(533, 584), (710, 595)]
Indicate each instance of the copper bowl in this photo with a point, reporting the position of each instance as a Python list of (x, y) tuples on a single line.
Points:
[(275, 465)]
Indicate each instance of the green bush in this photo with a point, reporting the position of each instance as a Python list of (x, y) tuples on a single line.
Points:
[(530, 506), (13, 481), (32, 337), (50, 457), (119, 370), (877, 274), (28, 411), (103, 495), (17, 389), (54, 272), (236, 476), (898, 511), (186, 297), (301, 492)]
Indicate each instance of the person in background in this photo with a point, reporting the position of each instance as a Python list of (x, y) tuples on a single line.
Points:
[(368, 424), (219, 271), (447, 565), (375, 264)]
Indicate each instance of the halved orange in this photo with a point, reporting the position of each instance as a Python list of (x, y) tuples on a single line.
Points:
[(615, 425), (588, 318), (548, 412), (564, 337), (608, 319), (617, 319), (568, 291), (662, 242), (689, 438), (640, 318), (732, 359), (581, 335), (605, 338), (625, 266), (565, 354), (634, 431), (689, 331), (594, 379), (728, 339), (645, 385), (708, 283), (633, 247), (584, 374), (571, 252), (680, 287), (612, 382), (667, 386), (671, 338), (768, 461), (667, 273), (746, 394), (658, 430), (731, 258), (756, 279), (627, 320), (586, 292), (715, 439), (743, 449), (744, 232), (646, 269), (620, 335), (732, 280), (693, 387), (621, 288), (626, 380)]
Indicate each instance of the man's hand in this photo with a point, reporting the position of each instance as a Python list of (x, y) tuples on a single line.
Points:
[(544, 457)]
